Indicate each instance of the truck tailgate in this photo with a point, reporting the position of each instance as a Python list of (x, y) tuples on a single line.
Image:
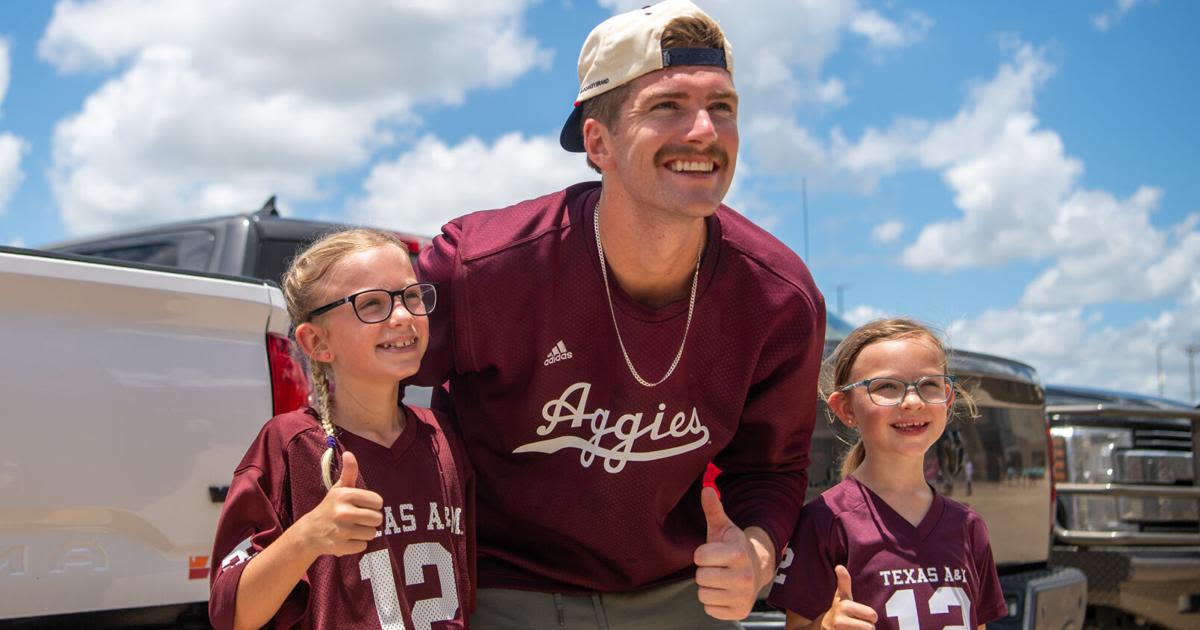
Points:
[(127, 393)]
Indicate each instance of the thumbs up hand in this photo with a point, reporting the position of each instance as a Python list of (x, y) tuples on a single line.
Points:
[(845, 613), (346, 519), (730, 564)]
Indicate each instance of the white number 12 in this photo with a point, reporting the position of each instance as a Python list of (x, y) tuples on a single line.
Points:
[(377, 567), (903, 606)]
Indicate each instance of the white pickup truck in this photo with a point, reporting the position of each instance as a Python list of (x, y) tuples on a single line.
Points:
[(127, 393)]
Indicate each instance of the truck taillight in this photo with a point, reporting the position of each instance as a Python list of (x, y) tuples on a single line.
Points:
[(289, 383)]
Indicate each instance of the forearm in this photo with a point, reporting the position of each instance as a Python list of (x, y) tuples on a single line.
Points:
[(268, 579)]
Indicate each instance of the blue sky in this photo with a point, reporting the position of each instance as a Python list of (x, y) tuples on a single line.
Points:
[(1015, 173)]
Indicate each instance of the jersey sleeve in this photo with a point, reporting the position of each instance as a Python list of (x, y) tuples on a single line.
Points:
[(764, 468), (250, 520), (439, 264), (806, 582), (991, 605)]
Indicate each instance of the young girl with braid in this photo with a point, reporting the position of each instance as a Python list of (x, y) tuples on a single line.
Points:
[(354, 513), (883, 549)]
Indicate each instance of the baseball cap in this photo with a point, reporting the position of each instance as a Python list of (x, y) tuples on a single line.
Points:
[(626, 46)]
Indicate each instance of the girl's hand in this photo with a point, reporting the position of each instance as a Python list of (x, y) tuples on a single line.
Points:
[(346, 519), (844, 613)]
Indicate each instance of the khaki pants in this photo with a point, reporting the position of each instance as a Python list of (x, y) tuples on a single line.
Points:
[(671, 606)]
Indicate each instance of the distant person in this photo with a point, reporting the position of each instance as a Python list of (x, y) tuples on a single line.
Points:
[(969, 471), (355, 513), (883, 548), (604, 343)]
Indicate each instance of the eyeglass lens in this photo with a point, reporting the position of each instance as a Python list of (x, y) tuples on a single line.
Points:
[(376, 306), (890, 391)]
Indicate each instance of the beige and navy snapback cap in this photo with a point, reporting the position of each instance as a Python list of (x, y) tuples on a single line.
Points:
[(626, 46)]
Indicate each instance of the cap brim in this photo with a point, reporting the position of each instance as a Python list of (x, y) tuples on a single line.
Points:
[(571, 137)]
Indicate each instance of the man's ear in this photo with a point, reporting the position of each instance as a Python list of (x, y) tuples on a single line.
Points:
[(314, 342), (597, 142), (839, 404)]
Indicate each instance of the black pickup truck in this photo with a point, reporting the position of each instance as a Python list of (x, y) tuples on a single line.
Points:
[(259, 244), (997, 463), (1128, 512)]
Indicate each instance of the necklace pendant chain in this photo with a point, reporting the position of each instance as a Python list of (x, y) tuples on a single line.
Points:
[(612, 312)]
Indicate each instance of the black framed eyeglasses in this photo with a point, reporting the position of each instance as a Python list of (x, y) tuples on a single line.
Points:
[(375, 305), (889, 392)]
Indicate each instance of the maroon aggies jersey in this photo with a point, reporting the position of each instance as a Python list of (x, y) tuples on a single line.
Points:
[(589, 481), (414, 575), (939, 574)]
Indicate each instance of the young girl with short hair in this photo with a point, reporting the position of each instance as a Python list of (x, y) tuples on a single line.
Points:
[(882, 549), (356, 512)]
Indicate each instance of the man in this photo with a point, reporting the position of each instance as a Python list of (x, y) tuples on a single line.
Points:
[(605, 342)]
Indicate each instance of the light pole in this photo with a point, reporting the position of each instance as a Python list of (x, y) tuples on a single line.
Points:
[(840, 288), (1191, 352)]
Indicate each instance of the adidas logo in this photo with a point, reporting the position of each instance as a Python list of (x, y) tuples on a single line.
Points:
[(558, 353)]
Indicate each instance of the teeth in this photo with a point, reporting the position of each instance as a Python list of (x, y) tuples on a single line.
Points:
[(391, 346), (702, 167), (907, 425)]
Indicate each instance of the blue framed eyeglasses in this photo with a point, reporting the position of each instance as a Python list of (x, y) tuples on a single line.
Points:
[(889, 392)]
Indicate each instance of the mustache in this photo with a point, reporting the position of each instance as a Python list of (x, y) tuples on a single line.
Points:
[(684, 152)]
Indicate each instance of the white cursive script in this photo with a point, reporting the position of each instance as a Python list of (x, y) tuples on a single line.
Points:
[(626, 430)]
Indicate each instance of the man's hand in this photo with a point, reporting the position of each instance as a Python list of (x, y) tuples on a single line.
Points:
[(845, 613), (345, 520), (732, 564)]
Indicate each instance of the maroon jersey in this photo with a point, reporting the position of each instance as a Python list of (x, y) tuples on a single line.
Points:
[(939, 574), (417, 570), (589, 481)]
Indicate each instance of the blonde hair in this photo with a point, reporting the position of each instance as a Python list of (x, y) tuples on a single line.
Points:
[(835, 372), (302, 289), (682, 32)]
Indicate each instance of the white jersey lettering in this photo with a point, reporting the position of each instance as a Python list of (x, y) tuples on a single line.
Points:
[(625, 432)]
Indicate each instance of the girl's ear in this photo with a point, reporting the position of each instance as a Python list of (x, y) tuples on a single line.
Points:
[(314, 342), (839, 404)]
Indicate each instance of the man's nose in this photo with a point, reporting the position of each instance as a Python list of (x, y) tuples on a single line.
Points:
[(702, 130)]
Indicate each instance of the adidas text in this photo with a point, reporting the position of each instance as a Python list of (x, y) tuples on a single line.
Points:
[(558, 353)]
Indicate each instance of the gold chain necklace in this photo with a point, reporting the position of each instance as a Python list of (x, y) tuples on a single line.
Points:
[(608, 294)]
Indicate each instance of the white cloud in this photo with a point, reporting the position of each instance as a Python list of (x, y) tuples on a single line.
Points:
[(864, 313), (781, 46), (884, 33), (5, 69), (1109, 18), (218, 104), (786, 147), (16, 241), (1072, 346), (1020, 196), (1107, 250), (12, 149), (433, 182), (887, 232)]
